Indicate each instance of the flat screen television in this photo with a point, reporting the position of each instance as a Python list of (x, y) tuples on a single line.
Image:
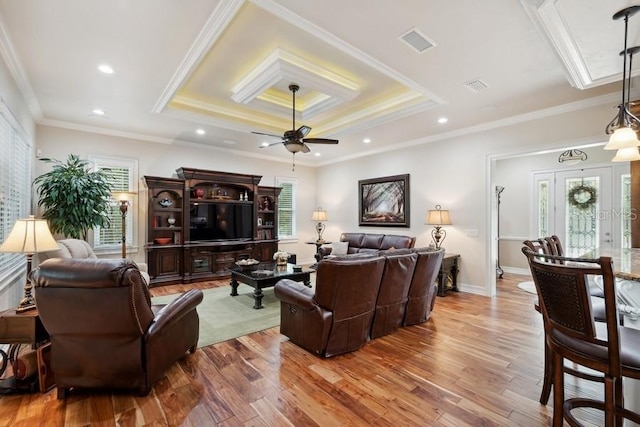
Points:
[(221, 221)]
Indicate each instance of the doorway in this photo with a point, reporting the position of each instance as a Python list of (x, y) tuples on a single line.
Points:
[(578, 206)]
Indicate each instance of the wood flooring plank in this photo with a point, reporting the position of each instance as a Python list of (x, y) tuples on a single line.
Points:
[(477, 362)]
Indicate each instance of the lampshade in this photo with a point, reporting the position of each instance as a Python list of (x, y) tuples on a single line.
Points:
[(123, 196), (319, 215), (628, 154), (29, 236), (623, 137), (438, 216)]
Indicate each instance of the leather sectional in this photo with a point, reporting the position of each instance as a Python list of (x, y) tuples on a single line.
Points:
[(359, 297)]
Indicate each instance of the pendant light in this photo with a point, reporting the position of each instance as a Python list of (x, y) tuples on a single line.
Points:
[(624, 125)]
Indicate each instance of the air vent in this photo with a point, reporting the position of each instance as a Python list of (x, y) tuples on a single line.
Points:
[(476, 85), (417, 40)]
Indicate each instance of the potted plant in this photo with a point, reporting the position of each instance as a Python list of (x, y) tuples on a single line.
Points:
[(75, 199)]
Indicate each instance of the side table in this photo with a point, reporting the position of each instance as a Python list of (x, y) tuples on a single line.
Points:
[(23, 328), (448, 273)]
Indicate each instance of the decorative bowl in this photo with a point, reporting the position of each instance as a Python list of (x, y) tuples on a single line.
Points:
[(162, 240)]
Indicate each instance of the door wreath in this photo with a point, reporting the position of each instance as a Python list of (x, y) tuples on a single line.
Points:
[(582, 196)]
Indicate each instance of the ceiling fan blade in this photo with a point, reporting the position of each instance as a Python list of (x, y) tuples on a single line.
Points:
[(267, 134), (305, 148), (320, 141), (303, 131), (273, 143)]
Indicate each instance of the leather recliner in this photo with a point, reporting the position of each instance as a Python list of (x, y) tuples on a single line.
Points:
[(104, 331), (336, 318), (424, 287), (393, 294), (77, 248)]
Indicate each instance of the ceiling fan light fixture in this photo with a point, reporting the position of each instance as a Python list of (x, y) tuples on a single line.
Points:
[(294, 147)]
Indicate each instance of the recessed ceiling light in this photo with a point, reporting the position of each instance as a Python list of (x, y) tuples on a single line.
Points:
[(317, 154), (265, 144), (200, 132), (442, 120), (98, 112), (105, 68), (366, 140)]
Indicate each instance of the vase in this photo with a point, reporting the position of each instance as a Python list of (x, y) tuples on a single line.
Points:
[(281, 261), (171, 220)]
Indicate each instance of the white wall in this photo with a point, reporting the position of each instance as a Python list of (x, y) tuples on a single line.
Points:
[(456, 173), (162, 160)]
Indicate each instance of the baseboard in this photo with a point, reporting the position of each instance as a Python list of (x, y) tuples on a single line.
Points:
[(516, 270)]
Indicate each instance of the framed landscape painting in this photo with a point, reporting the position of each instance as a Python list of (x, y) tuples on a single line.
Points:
[(384, 201)]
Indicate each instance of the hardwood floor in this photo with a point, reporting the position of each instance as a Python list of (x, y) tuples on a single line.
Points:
[(477, 361)]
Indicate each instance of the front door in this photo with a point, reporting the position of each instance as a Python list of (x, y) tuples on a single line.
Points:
[(584, 210)]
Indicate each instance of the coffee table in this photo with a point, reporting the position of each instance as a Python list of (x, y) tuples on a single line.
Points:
[(265, 275)]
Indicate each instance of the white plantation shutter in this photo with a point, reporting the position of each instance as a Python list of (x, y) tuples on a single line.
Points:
[(121, 175), (15, 186), (287, 207)]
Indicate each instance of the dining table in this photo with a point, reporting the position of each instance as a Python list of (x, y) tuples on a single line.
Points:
[(626, 269)]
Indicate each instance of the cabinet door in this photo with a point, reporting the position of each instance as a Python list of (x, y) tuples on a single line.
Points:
[(167, 262)]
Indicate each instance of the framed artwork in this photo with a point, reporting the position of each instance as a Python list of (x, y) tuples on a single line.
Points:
[(384, 201)]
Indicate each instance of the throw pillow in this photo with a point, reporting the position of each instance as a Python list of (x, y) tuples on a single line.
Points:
[(339, 248)]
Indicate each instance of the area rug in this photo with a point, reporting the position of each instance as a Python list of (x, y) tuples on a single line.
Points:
[(528, 287), (223, 317)]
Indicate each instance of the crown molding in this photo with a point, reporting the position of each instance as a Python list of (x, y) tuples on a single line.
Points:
[(213, 28)]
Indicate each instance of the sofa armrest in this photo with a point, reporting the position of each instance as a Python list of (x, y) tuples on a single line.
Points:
[(324, 250), (175, 310), (142, 266), (295, 293)]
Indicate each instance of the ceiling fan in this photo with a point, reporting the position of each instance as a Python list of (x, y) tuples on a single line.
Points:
[(294, 140)]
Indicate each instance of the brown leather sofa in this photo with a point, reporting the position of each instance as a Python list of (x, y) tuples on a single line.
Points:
[(330, 320), (336, 317), (394, 289), (368, 242), (424, 287), (105, 333)]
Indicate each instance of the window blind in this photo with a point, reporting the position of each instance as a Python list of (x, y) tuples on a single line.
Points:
[(120, 174), (15, 186), (287, 207)]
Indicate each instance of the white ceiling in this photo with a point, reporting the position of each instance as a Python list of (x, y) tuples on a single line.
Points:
[(225, 66)]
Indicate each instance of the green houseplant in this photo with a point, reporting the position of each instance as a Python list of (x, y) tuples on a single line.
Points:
[(75, 199)]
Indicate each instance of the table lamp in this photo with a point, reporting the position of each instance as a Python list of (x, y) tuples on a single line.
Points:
[(319, 215), (438, 217), (123, 197), (29, 236)]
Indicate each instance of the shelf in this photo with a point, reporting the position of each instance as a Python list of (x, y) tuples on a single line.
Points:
[(265, 212), (265, 226), (167, 228), (161, 209), (238, 202)]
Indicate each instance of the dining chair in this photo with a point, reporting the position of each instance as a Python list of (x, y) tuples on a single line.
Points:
[(551, 246), (572, 333)]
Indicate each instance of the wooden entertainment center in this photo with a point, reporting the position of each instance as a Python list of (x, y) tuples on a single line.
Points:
[(200, 223)]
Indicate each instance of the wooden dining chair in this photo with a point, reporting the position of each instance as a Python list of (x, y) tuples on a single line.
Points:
[(572, 333), (552, 246)]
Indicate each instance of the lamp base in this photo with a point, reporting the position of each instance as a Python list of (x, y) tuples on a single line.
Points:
[(25, 306)]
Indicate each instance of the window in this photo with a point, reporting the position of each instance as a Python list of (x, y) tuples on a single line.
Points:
[(287, 207), (122, 175), (15, 187)]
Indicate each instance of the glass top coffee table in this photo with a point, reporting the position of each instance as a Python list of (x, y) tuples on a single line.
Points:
[(265, 275)]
